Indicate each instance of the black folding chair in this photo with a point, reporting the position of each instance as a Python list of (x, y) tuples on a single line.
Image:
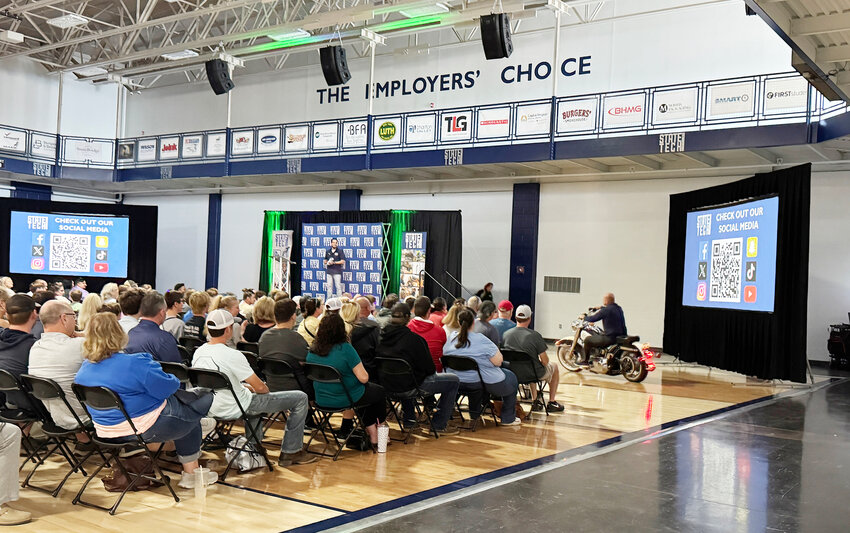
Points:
[(245, 346), (103, 399), (330, 375), (253, 360), (399, 381), (191, 344), (529, 371), (185, 355), (218, 383), (43, 389), (459, 364), (22, 416), (181, 372)]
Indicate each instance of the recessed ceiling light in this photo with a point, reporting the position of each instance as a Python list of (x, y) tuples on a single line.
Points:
[(434, 9), (68, 21), (90, 71), (184, 54), (295, 34)]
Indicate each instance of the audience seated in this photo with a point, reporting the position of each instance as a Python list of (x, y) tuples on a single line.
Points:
[(194, 327), (130, 302), (5, 294), (438, 311), (173, 307), (262, 320), (10, 451), (365, 334), (486, 313), (91, 306), (383, 316), (450, 322), (16, 342), (147, 394), (504, 322), (231, 305), (310, 325), (524, 339), (80, 285), (148, 336), (76, 300), (109, 293), (40, 297), (433, 334), (247, 303), (398, 341), (255, 397), (497, 381), (281, 343), (474, 303), (58, 290)]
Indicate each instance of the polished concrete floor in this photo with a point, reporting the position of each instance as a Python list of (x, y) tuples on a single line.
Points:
[(783, 465)]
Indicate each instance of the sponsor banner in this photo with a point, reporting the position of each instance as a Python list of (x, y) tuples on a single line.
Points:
[(169, 148), (281, 251), (412, 264), (325, 136), (297, 138), (146, 150), (243, 142), (786, 95), (675, 106), (82, 151), (533, 119), (494, 122), (387, 131), (421, 128), (13, 140), (577, 115), (362, 245), (192, 145), (43, 146), (732, 100), (126, 151), (268, 140), (456, 126), (624, 111), (216, 144), (354, 134)]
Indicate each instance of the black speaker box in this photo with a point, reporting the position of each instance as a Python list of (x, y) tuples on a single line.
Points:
[(334, 65), (218, 74), (496, 36)]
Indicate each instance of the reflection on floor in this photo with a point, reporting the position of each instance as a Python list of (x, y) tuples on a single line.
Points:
[(598, 408)]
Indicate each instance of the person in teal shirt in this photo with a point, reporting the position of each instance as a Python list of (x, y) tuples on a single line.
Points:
[(331, 348)]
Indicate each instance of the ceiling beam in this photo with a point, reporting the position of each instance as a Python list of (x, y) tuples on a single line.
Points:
[(645, 162), (821, 24), (591, 164), (701, 158), (765, 155), (833, 54)]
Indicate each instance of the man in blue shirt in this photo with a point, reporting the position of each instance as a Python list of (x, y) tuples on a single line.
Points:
[(334, 263), (613, 322), (147, 337)]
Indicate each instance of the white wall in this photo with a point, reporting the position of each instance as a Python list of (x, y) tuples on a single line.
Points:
[(29, 95), (181, 245)]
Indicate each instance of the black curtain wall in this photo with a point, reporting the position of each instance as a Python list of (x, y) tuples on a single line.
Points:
[(141, 247), (766, 345)]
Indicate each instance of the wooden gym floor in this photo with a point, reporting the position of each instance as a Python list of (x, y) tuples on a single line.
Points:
[(600, 410)]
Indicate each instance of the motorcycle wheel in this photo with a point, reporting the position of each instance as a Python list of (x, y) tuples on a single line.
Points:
[(570, 363), (632, 370)]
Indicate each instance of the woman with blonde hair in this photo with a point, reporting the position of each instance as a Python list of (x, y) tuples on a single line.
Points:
[(148, 395), (215, 303), (109, 293), (5, 294), (262, 319), (450, 321), (91, 306), (350, 312)]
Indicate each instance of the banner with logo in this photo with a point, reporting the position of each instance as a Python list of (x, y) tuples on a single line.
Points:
[(679, 105), (412, 264), (363, 247), (268, 140), (216, 144), (494, 122), (455, 126), (13, 140), (297, 139), (731, 100), (786, 95), (576, 116), (386, 132), (43, 146), (146, 150), (243, 142), (623, 111), (126, 151), (281, 251), (192, 145), (169, 148), (533, 119), (325, 136), (83, 151), (421, 128), (354, 134)]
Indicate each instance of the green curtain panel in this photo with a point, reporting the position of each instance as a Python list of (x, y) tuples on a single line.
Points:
[(274, 221), (399, 223)]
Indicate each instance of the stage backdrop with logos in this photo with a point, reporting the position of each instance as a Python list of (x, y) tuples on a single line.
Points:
[(363, 245), (441, 229)]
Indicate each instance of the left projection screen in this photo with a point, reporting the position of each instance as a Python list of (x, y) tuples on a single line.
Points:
[(56, 244)]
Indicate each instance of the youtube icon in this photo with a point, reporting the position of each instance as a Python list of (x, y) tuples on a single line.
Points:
[(750, 294), (101, 268)]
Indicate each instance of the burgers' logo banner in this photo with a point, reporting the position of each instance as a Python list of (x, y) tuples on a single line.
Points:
[(412, 264), (281, 251)]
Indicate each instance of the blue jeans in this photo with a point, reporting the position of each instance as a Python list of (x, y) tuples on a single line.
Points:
[(334, 282), (505, 389), (293, 401), (180, 423), (446, 385)]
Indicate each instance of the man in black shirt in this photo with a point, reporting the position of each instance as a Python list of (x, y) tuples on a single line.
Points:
[(334, 263), (613, 322), (15, 343)]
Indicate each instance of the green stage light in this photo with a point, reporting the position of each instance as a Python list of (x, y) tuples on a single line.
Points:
[(425, 20)]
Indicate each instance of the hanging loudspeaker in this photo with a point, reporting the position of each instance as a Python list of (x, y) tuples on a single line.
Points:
[(218, 74), (334, 65), (496, 36)]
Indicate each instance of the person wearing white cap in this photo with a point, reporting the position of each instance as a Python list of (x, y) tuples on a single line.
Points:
[(253, 393), (333, 305), (524, 339)]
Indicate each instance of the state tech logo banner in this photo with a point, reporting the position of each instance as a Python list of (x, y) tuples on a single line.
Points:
[(362, 244)]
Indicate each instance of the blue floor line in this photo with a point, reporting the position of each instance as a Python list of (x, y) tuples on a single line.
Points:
[(282, 497)]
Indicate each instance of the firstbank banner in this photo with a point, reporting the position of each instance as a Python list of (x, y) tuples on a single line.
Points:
[(786, 95), (363, 245)]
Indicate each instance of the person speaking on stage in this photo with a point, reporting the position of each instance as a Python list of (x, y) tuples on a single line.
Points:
[(334, 263)]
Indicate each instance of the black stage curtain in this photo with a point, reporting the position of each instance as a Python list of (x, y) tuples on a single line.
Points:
[(766, 345), (141, 260)]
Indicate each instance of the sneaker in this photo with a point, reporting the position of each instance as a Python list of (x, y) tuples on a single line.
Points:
[(516, 422), (554, 407), (207, 426), (298, 458), (446, 431), (187, 481), (13, 517)]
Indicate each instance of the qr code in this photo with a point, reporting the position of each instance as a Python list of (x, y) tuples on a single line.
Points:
[(703, 225), (726, 270), (70, 253)]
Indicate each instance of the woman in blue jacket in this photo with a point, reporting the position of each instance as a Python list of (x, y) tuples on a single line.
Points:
[(147, 393)]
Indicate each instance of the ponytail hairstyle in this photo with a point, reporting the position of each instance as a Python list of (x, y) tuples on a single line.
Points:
[(466, 319)]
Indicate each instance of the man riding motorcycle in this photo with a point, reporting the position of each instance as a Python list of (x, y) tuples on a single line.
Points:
[(614, 324)]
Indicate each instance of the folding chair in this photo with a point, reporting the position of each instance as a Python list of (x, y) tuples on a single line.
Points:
[(399, 381), (181, 372), (529, 371), (253, 360), (103, 399), (185, 356), (22, 417), (459, 364), (46, 389), (244, 346), (191, 344), (218, 382), (330, 375)]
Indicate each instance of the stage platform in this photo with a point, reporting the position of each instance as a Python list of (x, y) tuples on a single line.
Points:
[(602, 412)]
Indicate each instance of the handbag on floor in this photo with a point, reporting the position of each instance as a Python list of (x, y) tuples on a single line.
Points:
[(140, 463), (249, 458)]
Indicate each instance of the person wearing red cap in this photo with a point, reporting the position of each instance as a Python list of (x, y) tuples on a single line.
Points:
[(504, 322)]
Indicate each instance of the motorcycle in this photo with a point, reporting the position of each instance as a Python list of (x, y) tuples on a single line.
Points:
[(622, 357)]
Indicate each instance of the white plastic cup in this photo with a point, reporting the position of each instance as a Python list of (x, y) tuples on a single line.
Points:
[(200, 483), (383, 438)]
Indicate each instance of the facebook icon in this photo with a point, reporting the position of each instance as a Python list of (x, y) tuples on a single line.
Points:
[(38, 238), (703, 250)]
